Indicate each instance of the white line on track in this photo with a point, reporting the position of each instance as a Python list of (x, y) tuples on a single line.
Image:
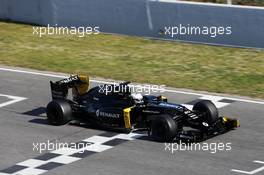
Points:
[(253, 171), (14, 99), (108, 82)]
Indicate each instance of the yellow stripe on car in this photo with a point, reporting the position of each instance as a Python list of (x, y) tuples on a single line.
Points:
[(225, 119), (83, 88), (127, 117), (235, 122)]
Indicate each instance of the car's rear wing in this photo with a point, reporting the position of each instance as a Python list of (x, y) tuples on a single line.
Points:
[(78, 83)]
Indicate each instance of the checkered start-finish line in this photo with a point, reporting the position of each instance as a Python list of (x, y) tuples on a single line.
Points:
[(64, 156), (92, 145)]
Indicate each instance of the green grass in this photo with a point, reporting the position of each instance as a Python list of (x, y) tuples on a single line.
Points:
[(199, 67)]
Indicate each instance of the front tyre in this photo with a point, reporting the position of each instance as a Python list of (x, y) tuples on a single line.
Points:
[(163, 128), (209, 109), (59, 112)]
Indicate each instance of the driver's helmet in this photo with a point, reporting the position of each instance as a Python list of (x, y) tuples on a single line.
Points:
[(137, 97)]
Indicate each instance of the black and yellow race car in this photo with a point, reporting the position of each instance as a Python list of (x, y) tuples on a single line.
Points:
[(122, 110)]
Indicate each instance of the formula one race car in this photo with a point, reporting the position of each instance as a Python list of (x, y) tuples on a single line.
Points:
[(122, 110)]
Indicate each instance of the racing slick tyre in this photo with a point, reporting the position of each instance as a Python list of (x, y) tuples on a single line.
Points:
[(59, 112), (210, 110), (163, 128)]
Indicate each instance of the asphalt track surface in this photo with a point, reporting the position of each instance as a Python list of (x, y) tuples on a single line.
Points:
[(23, 122)]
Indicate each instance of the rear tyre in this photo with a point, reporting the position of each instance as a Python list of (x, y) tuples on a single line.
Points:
[(59, 112), (163, 128), (209, 109)]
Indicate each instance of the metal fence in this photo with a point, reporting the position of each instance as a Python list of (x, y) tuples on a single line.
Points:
[(147, 18)]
